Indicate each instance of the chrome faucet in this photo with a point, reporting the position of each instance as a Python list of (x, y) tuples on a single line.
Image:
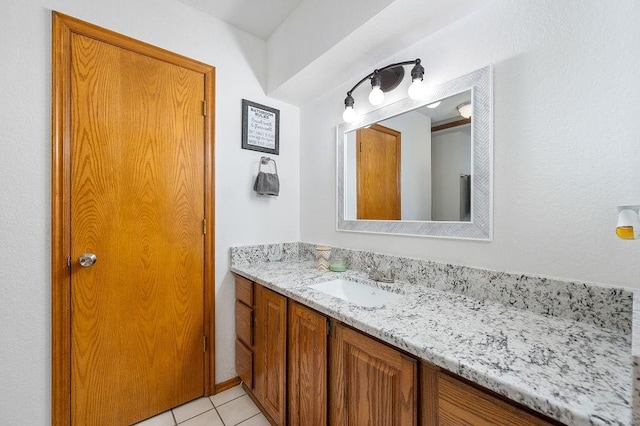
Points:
[(376, 274)]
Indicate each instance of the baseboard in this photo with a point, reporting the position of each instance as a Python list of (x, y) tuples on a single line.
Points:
[(227, 384)]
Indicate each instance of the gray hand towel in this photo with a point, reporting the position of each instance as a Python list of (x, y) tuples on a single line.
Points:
[(267, 183)]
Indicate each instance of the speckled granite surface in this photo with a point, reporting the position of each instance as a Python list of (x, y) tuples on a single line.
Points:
[(607, 307), (635, 351), (571, 371)]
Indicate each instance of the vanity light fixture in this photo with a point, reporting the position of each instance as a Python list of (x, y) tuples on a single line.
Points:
[(628, 222), (384, 80), (465, 109), (376, 97)]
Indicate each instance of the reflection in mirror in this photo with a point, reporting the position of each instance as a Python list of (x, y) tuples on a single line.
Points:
[(414, 166), (420, 167)]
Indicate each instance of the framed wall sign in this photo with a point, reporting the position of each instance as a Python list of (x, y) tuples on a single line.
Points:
[(260, 128)]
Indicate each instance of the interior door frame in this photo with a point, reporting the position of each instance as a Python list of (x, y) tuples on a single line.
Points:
[(63, 28)]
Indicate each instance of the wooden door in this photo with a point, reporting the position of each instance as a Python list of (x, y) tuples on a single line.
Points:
[(137, 170), (270, 352), (378, 173), (370, 383), (307, 378)]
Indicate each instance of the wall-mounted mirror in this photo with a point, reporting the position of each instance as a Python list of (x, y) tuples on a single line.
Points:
[(420, 167)]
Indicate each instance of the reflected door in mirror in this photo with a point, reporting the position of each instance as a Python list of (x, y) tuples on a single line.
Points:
[(378, 173)]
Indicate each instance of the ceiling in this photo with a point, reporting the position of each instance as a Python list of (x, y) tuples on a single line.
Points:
[(308, 40), (257, 17), (446, 111)]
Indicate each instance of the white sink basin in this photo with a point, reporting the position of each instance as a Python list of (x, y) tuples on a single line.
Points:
[(356, 293)]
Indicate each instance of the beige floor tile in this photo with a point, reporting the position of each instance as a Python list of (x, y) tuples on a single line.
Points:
[(164, 419), (228, 395), (192, 409), (210, 418), (238, 410), (259, 420)]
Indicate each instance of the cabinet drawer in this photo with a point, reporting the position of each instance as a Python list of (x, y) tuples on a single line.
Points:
[(244, 363), (244, 290), (244, 322), (459, 403)]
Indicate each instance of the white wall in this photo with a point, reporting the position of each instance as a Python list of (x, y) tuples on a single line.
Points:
[(566, 139), (451, 157), (415, 154), (320, 25), (25, 202)]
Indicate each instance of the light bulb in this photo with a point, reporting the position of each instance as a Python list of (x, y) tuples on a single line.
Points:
[(417, 90), (376, 96), (434, 105), (349, 115)]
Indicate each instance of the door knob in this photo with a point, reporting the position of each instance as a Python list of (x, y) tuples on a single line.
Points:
[(87, 259)]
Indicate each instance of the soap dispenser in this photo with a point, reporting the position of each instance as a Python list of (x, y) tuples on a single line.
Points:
[(628, 222)]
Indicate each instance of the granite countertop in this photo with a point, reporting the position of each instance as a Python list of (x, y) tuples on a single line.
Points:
[(571, 371)]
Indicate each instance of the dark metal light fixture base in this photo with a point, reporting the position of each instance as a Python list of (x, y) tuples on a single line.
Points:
[(391, 78)]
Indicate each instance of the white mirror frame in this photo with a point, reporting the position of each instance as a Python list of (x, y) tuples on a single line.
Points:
[(480, 226)]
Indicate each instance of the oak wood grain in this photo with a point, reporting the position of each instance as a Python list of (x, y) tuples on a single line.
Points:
[(60, 235), (137, 197), (270, 352), (428, 394), (378, 169), (461, 404), (370, 382), (450, 125), (244, 324), (65, 28), (227, 384), (307, 372), (244, 363), (244, 290)]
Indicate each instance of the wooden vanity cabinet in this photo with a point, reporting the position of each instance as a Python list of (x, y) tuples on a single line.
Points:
[(447, 400), (270, 351), (307, 374), (261, 321), (370, 382), (295, 371), (244, 330)]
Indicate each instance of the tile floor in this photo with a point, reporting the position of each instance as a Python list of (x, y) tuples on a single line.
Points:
[(229, 408)]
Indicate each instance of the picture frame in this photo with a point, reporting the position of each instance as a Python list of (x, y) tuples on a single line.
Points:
[(260, 127)]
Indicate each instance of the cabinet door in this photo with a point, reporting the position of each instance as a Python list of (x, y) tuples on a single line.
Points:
[(370, 383), (307, 378), (460, 403), (270, 352)]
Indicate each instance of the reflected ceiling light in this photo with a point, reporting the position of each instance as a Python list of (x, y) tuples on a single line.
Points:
[(465, 109), (386, 79), (628, 222), (434, 105)]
